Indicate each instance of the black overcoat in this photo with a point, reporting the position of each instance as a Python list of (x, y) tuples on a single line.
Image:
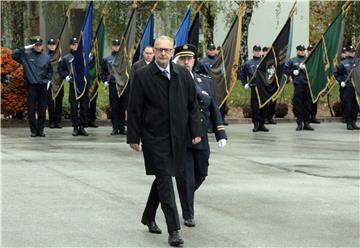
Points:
[(161, 114)]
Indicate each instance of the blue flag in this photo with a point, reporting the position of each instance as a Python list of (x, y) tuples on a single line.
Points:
[(147, 38), (81, 56), (182, 34)]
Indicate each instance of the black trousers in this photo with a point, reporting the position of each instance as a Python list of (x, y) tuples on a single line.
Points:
[(270, 110), (351, 107), (313, 111), (302, 103), (74, 106), (223, 111), (118, 106), (162, 191), (257, 114), (190, 179), (341, 94), (92, 109), (55, 106), (36, 103)]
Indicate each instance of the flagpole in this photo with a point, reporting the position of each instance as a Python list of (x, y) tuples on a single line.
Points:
[(154, 7)]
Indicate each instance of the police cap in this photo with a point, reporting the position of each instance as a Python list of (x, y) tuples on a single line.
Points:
[(265, 49), (37, 41), (51, 42), (300, 48), (350, 49), (185, 50), (73, 40), (115, 42), (257, 48), (211, 46), (343, 49)]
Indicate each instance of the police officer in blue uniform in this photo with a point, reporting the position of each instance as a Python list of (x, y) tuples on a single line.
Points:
[(78, 123), (117, 104), (246, 73), (37, 74), (295, 68), (54, 106), (197, 156), (341, 73)]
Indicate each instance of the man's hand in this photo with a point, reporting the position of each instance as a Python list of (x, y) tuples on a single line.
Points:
[(296, 72), (196, 140), (343, 84), (29, 46), (222, 143), (302, 66), (106, 84), (246, 86), (48, 85), (135, 147), (68, 78)]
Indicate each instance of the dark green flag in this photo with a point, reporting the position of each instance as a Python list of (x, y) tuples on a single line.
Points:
[(97, 52), (121, 65), (224, 70), (356, 74), (319, 66)]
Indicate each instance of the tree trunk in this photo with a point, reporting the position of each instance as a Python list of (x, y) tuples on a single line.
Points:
[(244, 53)]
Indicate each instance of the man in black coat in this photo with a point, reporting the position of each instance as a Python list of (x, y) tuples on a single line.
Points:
[(162, 111), (148, 56), (37, 74)]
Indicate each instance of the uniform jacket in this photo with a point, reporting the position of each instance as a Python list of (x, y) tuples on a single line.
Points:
[(65, 66), (161, 112), (293, 64), (209, 112), (343, 69), (37, 67), (204, 65), (106, 68), (248, 70)]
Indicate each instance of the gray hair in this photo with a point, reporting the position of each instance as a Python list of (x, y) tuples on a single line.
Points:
[(164, 37)]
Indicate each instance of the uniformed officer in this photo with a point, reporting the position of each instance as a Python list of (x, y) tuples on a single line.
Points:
[(246, 73), (349, 102), (37, 74), (341, 90), (295, 68), (54, 106), (117, 104), (271, 106), (65, 71), (197, 156), (314, 105)]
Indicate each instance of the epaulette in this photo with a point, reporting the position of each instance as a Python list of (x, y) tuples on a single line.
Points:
[(205, 76)]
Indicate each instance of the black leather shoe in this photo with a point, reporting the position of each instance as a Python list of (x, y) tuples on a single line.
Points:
[(93, 124), (82, 131), (175, 239), (33, 134), (52, 125), (299, 127), (256, 128), (41, 134), (314, 120), (153, 228), (354, 126), (189, 222), (122, 131), (115, 131), (272, 122), (349, 127), (225, 123), (262, 128), (75, 131), (58, 125), (308, 127)]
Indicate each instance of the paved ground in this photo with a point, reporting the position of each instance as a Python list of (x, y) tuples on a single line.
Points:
[(277, 189)]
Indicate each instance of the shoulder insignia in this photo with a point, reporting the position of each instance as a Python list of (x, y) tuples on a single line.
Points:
[(199, 80), (205, 76)]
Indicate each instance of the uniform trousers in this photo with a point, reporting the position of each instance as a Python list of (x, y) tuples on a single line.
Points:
[(257, 114), (270, 107), (55, 106), (351, 107), (36, 103), (302, 103), (162, 192), (190, 179), (118, 106), (74, 106), (92, 109), (313, 111)]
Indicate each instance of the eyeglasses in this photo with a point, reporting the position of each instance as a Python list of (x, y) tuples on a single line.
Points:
[(166, 50)]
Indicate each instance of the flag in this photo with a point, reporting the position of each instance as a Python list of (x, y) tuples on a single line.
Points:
[(224, 70), (193, 36), (269, 74), (80, 64), (121, 65), (97, 52), (356, 74), (181, 36), (56, 79), (319, 66), (147, 38)]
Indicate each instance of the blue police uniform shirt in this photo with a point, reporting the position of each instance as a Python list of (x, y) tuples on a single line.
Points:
[(343, 69), (248, 70), (293, 64)]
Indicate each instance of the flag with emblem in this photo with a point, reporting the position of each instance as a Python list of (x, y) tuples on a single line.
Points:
[(194, 32), (80, 64), (56, 80), (97, 53), (356, 73), (269, 73), (121, 65), (224, 70), (182, 34), (320, 64)]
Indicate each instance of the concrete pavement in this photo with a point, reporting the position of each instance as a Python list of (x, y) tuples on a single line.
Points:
[(277, 189)]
